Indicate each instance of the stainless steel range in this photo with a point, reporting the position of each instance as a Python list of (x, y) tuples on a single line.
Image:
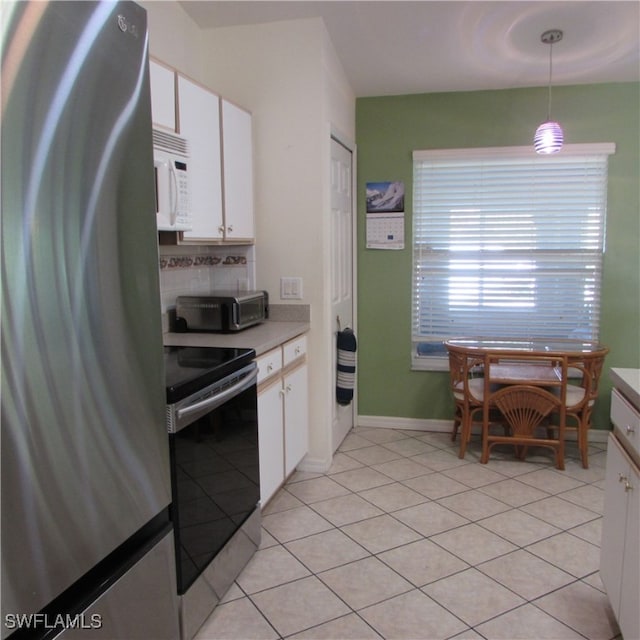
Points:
[(213, 437)]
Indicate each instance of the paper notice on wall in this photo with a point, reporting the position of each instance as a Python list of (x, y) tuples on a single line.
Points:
[(385, 231)]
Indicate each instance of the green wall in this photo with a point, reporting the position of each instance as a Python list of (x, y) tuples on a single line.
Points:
[(388, 129)]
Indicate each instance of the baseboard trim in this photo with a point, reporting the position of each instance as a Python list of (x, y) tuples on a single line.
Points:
[(409, 424), (314, 465), (445, 426)]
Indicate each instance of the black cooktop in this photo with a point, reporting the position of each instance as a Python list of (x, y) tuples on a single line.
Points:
[(190, 369)]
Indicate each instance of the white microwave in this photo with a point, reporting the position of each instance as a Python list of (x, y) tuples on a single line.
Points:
[(170, 160)]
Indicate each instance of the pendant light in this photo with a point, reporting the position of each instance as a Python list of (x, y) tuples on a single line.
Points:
[(549, 136)]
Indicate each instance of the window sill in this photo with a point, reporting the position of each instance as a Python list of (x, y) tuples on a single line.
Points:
[(429, 363)]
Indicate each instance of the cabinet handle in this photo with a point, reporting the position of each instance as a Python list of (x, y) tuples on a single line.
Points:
[(288, 388), (627, 485), (269, 367), (230, 228), (282, 392), (630, 429), (221, 229), (297, 350)]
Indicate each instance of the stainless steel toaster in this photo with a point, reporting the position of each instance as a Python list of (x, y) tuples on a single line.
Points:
[(222, 311)]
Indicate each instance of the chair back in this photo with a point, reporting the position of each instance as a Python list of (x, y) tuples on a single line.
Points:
[(585, 371), (524, 408), (466, 376)]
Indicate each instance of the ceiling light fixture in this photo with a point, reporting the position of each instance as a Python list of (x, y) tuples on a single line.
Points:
[(549, 136)]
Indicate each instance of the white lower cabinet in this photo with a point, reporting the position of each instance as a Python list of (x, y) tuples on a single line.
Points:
[(620, 547), (283, 413), (296, 418), (270, 434)]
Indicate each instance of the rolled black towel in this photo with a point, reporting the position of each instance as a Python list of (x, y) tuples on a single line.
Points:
[(346, 378)]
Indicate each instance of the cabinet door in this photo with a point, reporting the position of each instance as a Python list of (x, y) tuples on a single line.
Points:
[(237, 153), (163, 96), (296, 417), (629, 617), (271, 441), (613, 523), (199, 123)]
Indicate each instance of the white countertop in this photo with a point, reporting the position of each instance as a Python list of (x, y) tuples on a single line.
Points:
[(628, 382), (262, 337)]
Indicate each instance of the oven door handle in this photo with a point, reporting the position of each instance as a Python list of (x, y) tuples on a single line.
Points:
[(209, 404)]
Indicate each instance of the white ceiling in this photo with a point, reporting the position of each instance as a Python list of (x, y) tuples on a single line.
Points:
[(421, 46)]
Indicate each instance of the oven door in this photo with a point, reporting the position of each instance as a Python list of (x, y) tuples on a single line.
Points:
[(215, 470)]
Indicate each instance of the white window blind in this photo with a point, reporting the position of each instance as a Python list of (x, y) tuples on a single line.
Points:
[(507, 243)]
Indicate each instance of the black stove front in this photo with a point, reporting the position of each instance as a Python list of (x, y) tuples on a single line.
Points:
[(191, 369), (214, 464)]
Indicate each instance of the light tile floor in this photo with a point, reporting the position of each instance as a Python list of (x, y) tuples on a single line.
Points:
[(402, 539)]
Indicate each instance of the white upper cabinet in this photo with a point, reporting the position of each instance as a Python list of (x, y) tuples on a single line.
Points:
[(237, 154), (199, 120), (163, 95), (220, 166)]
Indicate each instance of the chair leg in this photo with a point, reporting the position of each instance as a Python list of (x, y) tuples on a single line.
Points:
[(484, 458), (464, 435), (456, 425), (560, 457), (583, 440), (560, 453), (521, 452)]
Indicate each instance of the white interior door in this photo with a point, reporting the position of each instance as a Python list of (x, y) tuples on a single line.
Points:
[(341, 270)]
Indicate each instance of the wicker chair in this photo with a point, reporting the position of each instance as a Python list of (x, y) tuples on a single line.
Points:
[(524, 408), (467, 388), (581, 395)]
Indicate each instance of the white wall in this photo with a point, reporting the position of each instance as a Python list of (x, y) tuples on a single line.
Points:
[(288, 75), (274, 70), (174, 37), (340, 100)]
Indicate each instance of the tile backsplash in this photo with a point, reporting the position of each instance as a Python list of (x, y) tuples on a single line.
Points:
[(193, 270)]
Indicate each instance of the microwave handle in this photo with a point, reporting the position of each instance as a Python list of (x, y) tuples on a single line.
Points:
[(162, 176), (173, 191)]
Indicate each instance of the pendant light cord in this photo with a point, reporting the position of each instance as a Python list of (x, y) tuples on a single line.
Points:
[(549, 136), (550, 76)]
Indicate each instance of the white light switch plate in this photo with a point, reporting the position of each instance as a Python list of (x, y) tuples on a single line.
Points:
[(290, 288)]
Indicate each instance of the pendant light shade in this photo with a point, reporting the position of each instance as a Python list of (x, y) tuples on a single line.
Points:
[(549, 136)]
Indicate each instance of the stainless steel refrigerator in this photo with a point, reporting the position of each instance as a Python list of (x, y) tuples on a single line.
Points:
[(87, 547)]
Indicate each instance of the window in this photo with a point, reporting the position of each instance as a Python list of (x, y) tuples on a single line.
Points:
[(506, 243)]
